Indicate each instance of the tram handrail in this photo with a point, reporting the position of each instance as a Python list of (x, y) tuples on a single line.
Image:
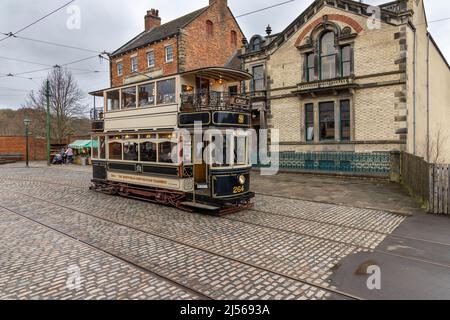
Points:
[(214, 100)]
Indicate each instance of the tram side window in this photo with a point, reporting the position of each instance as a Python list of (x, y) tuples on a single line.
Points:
[(115, 151), (113, 102), (129, 98), (165, 151), (147, 95), (130, 151), (102, 147), (148, 152), (166, 91)]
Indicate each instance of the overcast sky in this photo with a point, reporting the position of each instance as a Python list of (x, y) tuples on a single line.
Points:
[(107, 24)]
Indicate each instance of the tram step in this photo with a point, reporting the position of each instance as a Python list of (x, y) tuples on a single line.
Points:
[(200, 206)]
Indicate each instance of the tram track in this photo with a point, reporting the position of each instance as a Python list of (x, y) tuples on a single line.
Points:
[(302, 234), (199, 248), (154, 273), (318, 221)]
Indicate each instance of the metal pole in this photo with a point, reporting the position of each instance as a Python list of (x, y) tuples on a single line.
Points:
[(48, 122), (26, 148)]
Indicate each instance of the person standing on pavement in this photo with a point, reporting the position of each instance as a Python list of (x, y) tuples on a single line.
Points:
[(63, 155), (69, 154)]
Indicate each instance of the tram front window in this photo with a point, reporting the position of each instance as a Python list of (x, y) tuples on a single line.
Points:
[(130, 151), (148, 152), (115, 151), (239, 150)]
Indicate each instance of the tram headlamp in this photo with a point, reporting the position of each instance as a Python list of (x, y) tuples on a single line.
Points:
[(242, 179)]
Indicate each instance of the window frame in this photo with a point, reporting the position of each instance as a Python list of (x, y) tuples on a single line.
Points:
[(308, 67), (233, 35), (209, 28), (349, 61), (263, 78), (326, 122), (309, 122), (151, 53), (321, 56), (119, 68), (132, 60), (166, 55), (341, 120)]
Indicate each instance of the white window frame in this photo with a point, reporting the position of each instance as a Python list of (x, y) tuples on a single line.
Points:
[(167, 51), (135, 58), (120, 70), (151, 52)]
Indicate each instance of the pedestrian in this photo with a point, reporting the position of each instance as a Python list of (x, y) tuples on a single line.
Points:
[(69, 154), (63, 155)]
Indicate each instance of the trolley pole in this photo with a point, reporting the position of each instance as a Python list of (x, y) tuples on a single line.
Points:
[(47, 93)]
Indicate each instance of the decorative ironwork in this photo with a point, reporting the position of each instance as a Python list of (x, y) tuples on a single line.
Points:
[(213, 100)]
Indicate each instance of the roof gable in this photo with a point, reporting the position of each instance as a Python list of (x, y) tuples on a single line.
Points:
[(165, 30)]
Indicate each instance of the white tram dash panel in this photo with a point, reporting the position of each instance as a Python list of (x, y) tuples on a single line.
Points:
[(166, 183)]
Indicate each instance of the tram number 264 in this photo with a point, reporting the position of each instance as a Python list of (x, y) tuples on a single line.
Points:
[(239, 189)]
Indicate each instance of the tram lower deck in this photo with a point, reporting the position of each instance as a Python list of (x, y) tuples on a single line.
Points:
[(205, 171)]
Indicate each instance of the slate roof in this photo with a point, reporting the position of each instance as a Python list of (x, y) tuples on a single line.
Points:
[(165, 30)]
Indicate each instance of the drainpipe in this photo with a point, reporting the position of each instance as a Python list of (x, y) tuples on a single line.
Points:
[(414, 91), (428, 97)]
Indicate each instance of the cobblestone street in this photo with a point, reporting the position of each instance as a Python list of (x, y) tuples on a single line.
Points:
[(52, 224)]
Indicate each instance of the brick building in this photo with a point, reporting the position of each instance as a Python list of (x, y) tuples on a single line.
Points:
[(338, 81), (195, 53)]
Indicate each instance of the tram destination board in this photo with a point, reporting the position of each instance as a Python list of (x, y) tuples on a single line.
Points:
[(216, 118)]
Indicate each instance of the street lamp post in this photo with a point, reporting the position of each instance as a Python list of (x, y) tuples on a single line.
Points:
[(26, 122)]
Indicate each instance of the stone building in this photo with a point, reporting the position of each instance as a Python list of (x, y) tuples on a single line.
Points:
[(348, 78)]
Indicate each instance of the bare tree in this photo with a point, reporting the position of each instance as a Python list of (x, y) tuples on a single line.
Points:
[(66, 101), (437, 145)]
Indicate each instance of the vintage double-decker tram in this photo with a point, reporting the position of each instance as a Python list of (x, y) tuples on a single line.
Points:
[(149, 148)]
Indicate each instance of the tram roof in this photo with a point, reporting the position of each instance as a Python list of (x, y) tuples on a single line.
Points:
[(226, 74)]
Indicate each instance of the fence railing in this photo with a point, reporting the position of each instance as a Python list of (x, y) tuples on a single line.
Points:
[(439, 199), (430, 183)]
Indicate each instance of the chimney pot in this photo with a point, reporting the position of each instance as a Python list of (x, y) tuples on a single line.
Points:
[(152, 19)]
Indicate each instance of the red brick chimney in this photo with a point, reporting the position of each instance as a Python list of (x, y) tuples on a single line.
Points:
[(152, 19), (222, 5)]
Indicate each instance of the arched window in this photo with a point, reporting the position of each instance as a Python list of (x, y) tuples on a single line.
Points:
[(209, 27), (327, 56), (233, 38), (256, 44)]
